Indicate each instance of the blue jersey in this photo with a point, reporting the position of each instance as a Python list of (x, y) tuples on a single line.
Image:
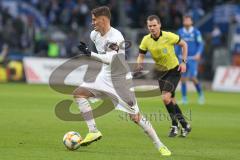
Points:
[(194, 40)]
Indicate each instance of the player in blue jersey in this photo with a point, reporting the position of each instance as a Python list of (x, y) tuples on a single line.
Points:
[(195, 43)]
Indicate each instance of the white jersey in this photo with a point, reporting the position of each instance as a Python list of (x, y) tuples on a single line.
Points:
[(113, 36), (101, 42), (103, 82)]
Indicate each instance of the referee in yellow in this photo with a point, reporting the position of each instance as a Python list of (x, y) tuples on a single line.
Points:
[(160, 44)]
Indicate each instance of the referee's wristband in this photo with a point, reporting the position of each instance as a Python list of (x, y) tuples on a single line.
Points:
[(184, 61)]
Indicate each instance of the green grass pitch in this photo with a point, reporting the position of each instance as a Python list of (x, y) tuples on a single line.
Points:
[(29, 128)]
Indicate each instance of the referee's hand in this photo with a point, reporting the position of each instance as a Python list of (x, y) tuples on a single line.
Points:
[(137, 71), (182, 67), (139, 68)]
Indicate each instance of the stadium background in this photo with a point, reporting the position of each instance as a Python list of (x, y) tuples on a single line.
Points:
[(43, 34), (51, 28)]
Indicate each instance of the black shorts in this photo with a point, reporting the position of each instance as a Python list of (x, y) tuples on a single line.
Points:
[(168, 80)]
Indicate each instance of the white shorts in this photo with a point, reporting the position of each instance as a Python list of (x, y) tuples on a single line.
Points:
[(124, 100)]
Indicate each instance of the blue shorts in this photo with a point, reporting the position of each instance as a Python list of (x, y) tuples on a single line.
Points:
[(192, 69)]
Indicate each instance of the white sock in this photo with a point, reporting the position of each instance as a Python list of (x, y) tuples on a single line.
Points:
[(86, 112), (150, 131)]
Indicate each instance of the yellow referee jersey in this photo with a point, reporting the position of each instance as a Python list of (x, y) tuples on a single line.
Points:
[(161, 49)]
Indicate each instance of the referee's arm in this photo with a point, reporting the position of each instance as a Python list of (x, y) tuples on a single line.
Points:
[(140, 59), (142, 51), (183, 45)]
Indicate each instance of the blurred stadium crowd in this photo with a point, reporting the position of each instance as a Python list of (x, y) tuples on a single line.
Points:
[(72, 14), (51, 28)]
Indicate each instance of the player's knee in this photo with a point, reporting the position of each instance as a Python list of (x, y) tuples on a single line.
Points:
[(79, 93), (135, 118), (166, 98)]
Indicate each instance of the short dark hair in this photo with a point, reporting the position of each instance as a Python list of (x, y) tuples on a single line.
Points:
[(102, 11), (152, 17), (187, 16)]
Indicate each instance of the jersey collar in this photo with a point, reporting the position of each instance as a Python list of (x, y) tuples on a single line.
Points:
[(188, 31), (155, 39)]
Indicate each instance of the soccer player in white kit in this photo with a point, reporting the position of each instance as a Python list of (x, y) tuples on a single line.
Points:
[(108, 82)]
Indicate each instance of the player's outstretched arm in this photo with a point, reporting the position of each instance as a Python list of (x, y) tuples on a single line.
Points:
[(110, 50), (103, 57)]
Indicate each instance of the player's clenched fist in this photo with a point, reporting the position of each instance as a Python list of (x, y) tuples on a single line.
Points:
[(83, 48)]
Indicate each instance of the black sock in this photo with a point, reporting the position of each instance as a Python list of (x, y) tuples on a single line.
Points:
[(172, 112), (180, 116)]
